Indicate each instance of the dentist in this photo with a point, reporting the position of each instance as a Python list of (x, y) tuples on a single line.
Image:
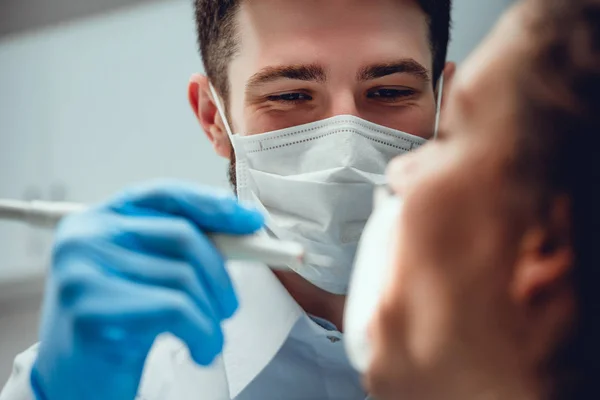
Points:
[(311, 100)]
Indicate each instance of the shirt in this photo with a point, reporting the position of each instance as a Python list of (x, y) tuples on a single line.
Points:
[(311, 364), (273, 351)]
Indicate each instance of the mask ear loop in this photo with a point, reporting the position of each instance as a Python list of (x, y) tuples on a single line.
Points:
[(438, 106), (221, 111)]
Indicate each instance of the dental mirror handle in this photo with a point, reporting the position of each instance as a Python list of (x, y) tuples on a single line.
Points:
[(275, 253)]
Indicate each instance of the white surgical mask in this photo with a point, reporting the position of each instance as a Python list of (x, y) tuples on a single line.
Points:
[(315, 182), (370, 274)]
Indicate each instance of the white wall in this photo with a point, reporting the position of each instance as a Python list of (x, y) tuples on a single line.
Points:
[(472, 21), (89, 107), (96, 105)]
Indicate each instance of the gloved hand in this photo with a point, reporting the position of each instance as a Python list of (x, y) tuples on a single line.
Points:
[(126, 272)]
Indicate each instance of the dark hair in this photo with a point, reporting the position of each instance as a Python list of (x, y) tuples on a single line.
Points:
[(560, 152), (215, 25)]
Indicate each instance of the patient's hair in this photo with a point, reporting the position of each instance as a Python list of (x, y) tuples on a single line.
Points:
[(217, 39), (560, 155)]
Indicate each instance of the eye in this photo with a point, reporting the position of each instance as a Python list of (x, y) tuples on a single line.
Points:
[(293, 97), (390, 94)]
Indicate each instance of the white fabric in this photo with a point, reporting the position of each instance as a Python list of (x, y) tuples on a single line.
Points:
[(315, 184), (370, 275), (271, 347)]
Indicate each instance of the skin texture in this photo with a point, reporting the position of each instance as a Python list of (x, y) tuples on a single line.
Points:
[(475, 302), (303, 61)]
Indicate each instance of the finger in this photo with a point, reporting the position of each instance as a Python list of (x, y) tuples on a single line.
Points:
[(209, 210), (167, 237), (125, 315), (178, 239), (157, 270)]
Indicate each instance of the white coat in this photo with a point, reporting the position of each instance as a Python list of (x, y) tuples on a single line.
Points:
[(265, 355)]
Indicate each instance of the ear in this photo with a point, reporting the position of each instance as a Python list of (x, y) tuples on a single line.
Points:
[(546, 256), (204, 107), (448, 73)]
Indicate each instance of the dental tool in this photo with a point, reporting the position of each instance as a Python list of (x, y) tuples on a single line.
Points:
[(277, 254)]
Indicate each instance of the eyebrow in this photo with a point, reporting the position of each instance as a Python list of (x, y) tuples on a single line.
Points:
[(311, 72), (404, 66)]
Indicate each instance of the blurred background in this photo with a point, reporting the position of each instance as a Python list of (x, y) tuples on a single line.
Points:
[(93, 98)]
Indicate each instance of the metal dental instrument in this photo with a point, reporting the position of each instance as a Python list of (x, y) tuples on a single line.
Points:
[(277, 254)]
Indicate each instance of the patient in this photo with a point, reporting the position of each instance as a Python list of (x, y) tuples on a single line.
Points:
[(495, 290)]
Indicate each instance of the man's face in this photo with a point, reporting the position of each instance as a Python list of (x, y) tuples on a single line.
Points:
[(448, 319), (303, 61)]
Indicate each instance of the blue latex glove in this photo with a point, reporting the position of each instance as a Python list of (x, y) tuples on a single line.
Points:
[(126, 272)]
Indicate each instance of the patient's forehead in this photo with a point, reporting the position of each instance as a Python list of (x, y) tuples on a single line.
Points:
[(487, 85)]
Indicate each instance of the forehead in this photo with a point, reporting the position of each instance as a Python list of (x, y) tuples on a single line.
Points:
[(486, 87), (331, 31)]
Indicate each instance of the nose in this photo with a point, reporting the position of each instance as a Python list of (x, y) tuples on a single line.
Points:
[(400, 171), (343, 103)]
